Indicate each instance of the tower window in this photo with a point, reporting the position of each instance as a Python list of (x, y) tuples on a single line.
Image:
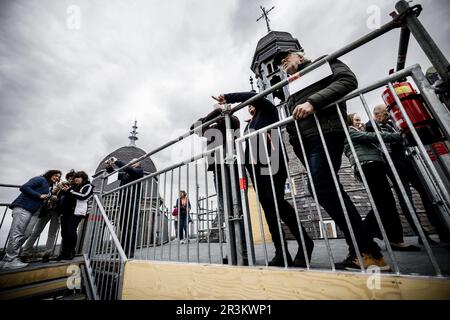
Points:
[(269, 68)]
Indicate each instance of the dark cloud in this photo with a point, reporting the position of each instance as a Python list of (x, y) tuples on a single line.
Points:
[(69, 97)]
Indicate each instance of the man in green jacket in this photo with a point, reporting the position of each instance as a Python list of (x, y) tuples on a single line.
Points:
[(315, 99)]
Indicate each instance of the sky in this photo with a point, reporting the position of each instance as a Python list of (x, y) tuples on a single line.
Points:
[(74, 75)]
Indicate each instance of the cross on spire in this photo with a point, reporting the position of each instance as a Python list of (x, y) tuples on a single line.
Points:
[(265, 16), (133, 136)]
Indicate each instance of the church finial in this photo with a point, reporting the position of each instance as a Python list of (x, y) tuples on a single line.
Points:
[(265, 16), (251, 83), (133, 136)]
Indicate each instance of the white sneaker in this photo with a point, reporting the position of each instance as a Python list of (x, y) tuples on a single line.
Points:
[(14, 264), (182, 241)]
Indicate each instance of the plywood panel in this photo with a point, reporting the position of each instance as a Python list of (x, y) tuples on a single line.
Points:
[(163, 280), (36, 273), (254, 218)]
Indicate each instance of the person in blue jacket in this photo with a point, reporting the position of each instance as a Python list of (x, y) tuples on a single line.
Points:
[(33, 194)]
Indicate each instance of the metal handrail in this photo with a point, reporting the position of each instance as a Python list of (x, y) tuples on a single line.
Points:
[(110, 229), (157, 173), (393, 77)]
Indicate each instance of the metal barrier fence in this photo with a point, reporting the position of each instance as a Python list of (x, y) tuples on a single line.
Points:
[(139, 216), (104, 257), (441, 186)]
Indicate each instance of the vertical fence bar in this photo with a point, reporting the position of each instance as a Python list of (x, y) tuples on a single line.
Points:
[(338, 190), (234, 193), (227, 209), (220, 209), (207, 211), (156, 217), (163, 217), (150, 218), (245, 208), (260, 218), (316, 199), (297, 216)]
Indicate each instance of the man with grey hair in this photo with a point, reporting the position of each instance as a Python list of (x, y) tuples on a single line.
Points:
[(318, 98), (408, 176)]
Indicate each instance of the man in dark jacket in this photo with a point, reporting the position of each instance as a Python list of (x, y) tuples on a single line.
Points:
[(263, 114), (28, 203), (129, 208), (315, 99), (216, 136)]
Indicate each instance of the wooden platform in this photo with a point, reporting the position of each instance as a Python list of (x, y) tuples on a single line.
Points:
[(173, 280), (36, 279)]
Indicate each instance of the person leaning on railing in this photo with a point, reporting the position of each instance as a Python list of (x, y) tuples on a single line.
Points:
[(374, 169), (73, 209), (33, 194), (408, 176), (216, 136), (48, 213), (302, 105), (129, 205), (264, 113)]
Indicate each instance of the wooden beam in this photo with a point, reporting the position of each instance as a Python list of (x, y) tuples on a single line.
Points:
[(36, 273), (172, 280)]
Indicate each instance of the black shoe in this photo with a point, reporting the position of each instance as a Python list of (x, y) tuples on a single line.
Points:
[(348, 263), (65, 257), (403, 247), (300, 261), (431, 242), (278, 260), (46, 258)]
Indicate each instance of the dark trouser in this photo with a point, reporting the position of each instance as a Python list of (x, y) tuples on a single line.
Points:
[(220, 197), (285, 210), (129, 229), (409, 177), (326, 191), (69, 226), (183, 225), (375, 173)]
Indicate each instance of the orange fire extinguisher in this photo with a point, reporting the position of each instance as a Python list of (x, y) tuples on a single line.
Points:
[(425, 125)]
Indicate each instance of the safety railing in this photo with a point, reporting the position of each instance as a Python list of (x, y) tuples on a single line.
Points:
[(149, 220), (104, 256), (155, 232), (440, 185)]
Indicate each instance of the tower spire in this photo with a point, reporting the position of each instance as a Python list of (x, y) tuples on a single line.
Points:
[(265, 16), (133, 137)]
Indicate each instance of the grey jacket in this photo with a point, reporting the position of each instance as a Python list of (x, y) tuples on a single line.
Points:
[(366, 145), (320, 95)]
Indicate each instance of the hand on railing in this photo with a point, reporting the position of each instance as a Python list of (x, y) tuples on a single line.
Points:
[(220, 99), (303, 110)]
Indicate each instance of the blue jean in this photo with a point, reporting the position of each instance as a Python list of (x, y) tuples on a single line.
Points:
[(182, 225), (325, 188)]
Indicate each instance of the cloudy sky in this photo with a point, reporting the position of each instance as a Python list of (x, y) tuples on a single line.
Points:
[(74, 75)]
